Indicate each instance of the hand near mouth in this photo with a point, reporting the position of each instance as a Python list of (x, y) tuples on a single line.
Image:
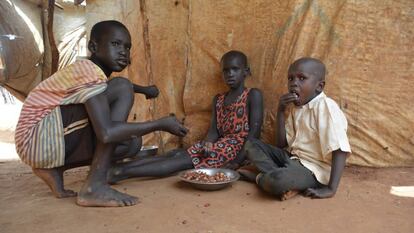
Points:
[(286, 99)]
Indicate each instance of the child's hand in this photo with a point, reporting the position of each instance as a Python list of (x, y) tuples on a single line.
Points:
[(324, 192), (172, 125), (151, 92), (208, 146), (285, 100)]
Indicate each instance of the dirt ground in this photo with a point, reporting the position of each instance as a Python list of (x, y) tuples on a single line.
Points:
[(362, 204)]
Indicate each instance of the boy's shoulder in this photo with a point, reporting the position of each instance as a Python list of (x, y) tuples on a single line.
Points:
[(254, 92), (329, 107), (321, 102)]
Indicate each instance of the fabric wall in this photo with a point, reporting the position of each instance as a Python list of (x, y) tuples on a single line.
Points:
[(367, 46), (22, 47), (27, 56)]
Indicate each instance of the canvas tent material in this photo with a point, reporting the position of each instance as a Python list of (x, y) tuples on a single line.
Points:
[(26, 50), (23, 54), (177, 45)]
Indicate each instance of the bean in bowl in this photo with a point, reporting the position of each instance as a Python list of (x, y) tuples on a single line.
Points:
[(204, 177)]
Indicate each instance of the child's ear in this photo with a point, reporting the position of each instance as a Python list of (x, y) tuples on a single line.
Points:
[(321, 86), (248, 72), (92, 46)]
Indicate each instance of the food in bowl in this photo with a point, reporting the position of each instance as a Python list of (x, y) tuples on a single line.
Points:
[(209, 179), (204, 177)]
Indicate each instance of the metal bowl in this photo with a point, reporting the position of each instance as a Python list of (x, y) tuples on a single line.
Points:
[(147, 151), (233, 175)]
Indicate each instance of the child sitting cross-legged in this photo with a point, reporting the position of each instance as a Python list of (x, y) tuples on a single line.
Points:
[(311, 141)]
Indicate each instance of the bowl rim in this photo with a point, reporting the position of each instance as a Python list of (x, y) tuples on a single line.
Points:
[(235, 178), (149, 147)]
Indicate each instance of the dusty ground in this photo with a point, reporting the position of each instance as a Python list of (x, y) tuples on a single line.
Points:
[(363, 204)]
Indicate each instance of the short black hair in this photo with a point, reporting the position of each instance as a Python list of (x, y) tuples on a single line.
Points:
[(235, 54), (101, 27), (319, 68)]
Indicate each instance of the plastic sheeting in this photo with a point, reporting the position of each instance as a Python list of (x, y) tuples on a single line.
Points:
[(366, 46), (22, 48)]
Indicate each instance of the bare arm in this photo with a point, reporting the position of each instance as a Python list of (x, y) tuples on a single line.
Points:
[(213, 134), (109, 131), (255, 103), (280, 130), (149, 91), (338, 165), (280, 136)]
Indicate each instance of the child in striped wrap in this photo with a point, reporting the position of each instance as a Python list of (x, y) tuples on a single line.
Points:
[(77, 117)]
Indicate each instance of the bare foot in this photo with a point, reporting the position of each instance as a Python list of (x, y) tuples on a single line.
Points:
[(289, 194), (104, 196), (54, 179), (114, 175), (248, 173)]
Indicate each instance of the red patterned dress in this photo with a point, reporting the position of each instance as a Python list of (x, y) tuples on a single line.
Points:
[(233, 128)]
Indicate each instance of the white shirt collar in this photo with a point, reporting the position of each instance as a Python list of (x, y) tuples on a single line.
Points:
[(311, 104)]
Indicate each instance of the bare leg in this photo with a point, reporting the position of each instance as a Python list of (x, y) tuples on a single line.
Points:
[(148, 159), (127, 149), (158, 168), (79, 151), (96, 191), (54, 179)]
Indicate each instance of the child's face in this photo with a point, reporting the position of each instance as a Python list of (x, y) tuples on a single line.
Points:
[(234, 71), (113, 49), (304, 83)]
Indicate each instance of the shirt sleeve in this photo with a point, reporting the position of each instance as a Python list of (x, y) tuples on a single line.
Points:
[(332, 126)]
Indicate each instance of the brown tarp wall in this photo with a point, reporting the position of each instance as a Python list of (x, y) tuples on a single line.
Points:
[(367, 46)]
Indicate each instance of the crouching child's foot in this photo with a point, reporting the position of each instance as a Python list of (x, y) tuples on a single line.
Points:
[(54, 179), (104, 196)]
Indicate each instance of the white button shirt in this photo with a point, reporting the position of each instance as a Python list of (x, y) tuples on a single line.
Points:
[(313, 131)]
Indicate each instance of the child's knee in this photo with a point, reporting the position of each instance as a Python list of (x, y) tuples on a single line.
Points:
[(274, 183), (120, 80), (249, 145), (121, 88), (121, 84)]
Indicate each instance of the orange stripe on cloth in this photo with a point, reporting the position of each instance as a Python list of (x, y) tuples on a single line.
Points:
[(39, 133)]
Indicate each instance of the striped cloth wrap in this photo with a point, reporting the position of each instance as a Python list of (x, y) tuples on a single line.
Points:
[(39, 136)]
